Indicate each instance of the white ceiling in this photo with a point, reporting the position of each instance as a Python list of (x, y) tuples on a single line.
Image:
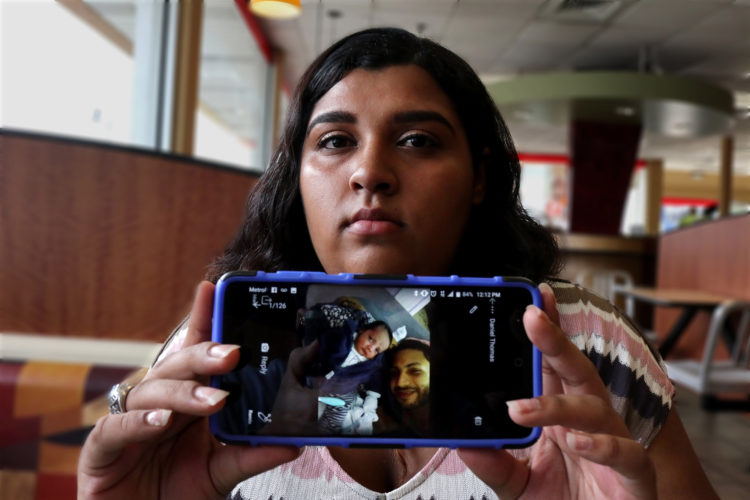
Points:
[(707, 39)]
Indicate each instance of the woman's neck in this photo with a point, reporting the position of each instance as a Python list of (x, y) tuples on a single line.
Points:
[(382, 470)]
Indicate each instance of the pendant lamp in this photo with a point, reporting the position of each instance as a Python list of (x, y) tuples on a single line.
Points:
[(275, 9)]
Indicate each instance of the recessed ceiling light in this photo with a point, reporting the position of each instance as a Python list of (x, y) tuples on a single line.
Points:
[(679, 128), (523, 114), (625, 110)]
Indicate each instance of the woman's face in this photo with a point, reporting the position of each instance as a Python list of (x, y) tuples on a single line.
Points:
[(386, 174)]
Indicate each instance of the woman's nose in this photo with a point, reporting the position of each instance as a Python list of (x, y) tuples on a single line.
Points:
[(375, 170)]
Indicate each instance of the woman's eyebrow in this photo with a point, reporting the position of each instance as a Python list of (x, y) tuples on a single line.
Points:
[(331, 117), (415, 116)]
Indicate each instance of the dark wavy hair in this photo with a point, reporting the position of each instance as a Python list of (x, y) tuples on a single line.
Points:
[(408, 343), (500, 237), (372, 325)]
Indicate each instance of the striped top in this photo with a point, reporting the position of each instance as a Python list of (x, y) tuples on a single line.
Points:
[(633, 373)]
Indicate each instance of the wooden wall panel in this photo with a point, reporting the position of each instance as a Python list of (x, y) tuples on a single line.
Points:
[(712, 256), (680, 184), (100, 241)]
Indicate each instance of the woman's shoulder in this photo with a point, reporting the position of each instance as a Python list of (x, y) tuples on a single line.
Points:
[(632, 370), (584, 312)]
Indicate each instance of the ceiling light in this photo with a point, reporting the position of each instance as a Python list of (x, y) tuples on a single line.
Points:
[(582, 11), (523, 114), (625, 110), (275, 9), (697, 174)]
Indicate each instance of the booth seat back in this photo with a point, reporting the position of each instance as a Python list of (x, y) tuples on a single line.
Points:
[(46, 411)]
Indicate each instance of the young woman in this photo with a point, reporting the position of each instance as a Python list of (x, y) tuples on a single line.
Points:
[(395, 160)]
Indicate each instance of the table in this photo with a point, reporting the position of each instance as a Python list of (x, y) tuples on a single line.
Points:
[(690, 301)]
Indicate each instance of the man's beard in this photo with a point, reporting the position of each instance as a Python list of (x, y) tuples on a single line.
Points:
[(422, 399)]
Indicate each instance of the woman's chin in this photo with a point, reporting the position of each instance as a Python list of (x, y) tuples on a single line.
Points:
[(386, 259), (382, 267)]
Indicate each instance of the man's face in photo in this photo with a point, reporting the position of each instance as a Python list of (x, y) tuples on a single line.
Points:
[(410, 378)]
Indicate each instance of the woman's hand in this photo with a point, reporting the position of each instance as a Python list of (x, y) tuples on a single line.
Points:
[(585, 450), (161, 446)]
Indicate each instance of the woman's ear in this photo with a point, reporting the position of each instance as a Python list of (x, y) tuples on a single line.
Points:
[(480, 178)]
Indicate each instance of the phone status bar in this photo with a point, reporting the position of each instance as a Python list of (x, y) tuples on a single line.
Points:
[(425, 292)]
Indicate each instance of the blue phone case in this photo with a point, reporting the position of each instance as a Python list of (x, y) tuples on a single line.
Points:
[(419, 285)]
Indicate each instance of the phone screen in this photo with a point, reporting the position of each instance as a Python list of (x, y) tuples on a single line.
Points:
[(369, 361)]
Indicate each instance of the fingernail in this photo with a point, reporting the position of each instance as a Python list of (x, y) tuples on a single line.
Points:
[(524, 405), (209, 394), (158, 418), (222, 350), (579, 441), (534, 309), (544, 287)]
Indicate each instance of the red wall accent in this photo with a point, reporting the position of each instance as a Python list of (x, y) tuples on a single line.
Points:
[(255, 30)]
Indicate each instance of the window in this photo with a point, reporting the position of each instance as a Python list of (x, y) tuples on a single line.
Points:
[(62, 77)]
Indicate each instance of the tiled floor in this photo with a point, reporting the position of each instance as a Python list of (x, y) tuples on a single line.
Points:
[(722, 441)]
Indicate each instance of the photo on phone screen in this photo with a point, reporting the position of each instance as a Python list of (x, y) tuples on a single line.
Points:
[(369, 362)]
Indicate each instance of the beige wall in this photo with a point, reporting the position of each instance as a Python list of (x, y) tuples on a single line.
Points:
[(681, 184)]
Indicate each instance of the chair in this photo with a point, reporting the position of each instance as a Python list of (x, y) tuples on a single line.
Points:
[(710, 377), (609, 283), (606, 283)]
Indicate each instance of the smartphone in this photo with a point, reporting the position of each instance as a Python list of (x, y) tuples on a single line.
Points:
[(372, 360)]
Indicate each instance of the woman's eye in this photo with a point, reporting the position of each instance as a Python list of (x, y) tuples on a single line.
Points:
[(334, 142), (418, 141)]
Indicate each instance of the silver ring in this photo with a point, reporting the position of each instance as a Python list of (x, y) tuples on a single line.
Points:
[(117, 396)]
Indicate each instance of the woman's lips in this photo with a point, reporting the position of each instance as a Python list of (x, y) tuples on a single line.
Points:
[(373, 222), (372, 227)]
